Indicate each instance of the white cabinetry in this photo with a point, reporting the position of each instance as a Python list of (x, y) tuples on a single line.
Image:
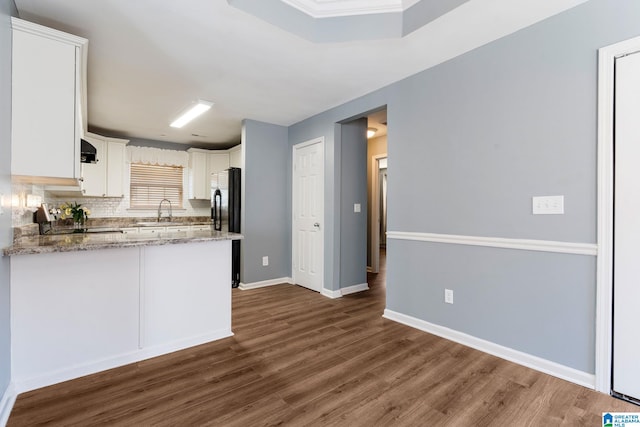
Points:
[(189, 304), (151, 230), (69, 322), (198, 174), (66, 321), (93, 174), (202, 163), (106, 177), (116, 167), (218, 162), (48, 86), (235, 157)]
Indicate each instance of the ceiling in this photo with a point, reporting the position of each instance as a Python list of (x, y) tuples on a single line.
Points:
[(149, 59), (325, 8)]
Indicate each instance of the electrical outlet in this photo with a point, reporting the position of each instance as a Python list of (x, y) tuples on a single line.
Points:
[(265, 261), (448, 296)]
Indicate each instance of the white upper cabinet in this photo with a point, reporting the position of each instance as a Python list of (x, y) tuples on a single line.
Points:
[(106, 177), (235, 157), (199, 186), (48, 87), (202, 163), (218, 162), (94, 181), (116, 167)]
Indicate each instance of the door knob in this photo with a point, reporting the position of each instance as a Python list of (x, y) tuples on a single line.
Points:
[(316, 225)]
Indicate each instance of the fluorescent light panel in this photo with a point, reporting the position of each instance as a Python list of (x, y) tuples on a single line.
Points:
[(191, 113)]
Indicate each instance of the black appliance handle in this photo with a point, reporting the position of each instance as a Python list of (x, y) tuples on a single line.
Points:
[(217, 210)]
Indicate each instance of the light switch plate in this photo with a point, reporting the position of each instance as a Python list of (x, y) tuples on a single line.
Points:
[(265, 261), (548, 205), (356, 207)]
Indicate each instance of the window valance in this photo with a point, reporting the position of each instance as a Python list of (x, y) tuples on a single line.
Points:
[(157, 156)]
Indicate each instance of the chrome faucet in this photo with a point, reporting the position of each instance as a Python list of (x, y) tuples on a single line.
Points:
[(160, 209)]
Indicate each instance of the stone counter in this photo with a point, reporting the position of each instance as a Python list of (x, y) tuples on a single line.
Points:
[(92, 241)]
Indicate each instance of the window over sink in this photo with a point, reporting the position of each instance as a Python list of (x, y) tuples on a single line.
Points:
[(152, 183)]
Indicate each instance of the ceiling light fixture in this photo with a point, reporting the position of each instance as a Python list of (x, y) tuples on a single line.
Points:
[(371, 132), (191, 113)]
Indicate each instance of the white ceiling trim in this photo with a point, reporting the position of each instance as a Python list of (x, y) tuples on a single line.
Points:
[(333, 8)]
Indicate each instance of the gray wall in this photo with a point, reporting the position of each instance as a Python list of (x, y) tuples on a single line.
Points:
[(266, 224), (353, 189), (470, 142), (326, 125), (7, 9)]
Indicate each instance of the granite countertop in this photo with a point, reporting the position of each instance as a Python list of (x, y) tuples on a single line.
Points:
[(92, 241)]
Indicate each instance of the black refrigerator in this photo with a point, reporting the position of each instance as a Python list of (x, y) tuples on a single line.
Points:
[(225, 212)]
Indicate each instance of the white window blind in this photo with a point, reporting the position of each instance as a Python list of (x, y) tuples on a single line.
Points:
[(152, 183)]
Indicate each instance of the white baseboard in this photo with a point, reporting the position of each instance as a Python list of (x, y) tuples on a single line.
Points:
[(344, 291), (331, 294), (355, 288), (58, 376), (265, 283), (584, 379), (6, 403)]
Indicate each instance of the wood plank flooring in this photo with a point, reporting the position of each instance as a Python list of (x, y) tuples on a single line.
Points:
[(300, 359)]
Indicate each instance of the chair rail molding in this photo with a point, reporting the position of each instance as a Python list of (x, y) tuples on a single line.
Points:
[(499, 242)]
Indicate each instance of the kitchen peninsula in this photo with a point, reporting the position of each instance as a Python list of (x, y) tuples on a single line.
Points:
[(82, 303)]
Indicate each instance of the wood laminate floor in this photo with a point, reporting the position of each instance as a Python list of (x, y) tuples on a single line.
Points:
[(298, 359)]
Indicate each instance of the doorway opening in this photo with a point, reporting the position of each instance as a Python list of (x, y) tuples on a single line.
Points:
[(377, 194)]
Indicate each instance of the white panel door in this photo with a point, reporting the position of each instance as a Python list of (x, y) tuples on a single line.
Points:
[(308, 214), (626, 318)]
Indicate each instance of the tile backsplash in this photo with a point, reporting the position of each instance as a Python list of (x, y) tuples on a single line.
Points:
[(101, 207)]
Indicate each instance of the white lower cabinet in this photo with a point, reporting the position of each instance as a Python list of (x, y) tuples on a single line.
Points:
[(178, 228), (170, 228), (151, 230), (172, 311), (70, 310), (77, 313)]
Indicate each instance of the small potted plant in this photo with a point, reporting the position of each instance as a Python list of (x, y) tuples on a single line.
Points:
[(76, 211)]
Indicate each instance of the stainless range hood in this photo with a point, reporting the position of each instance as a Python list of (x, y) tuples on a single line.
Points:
[(88, 153)]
